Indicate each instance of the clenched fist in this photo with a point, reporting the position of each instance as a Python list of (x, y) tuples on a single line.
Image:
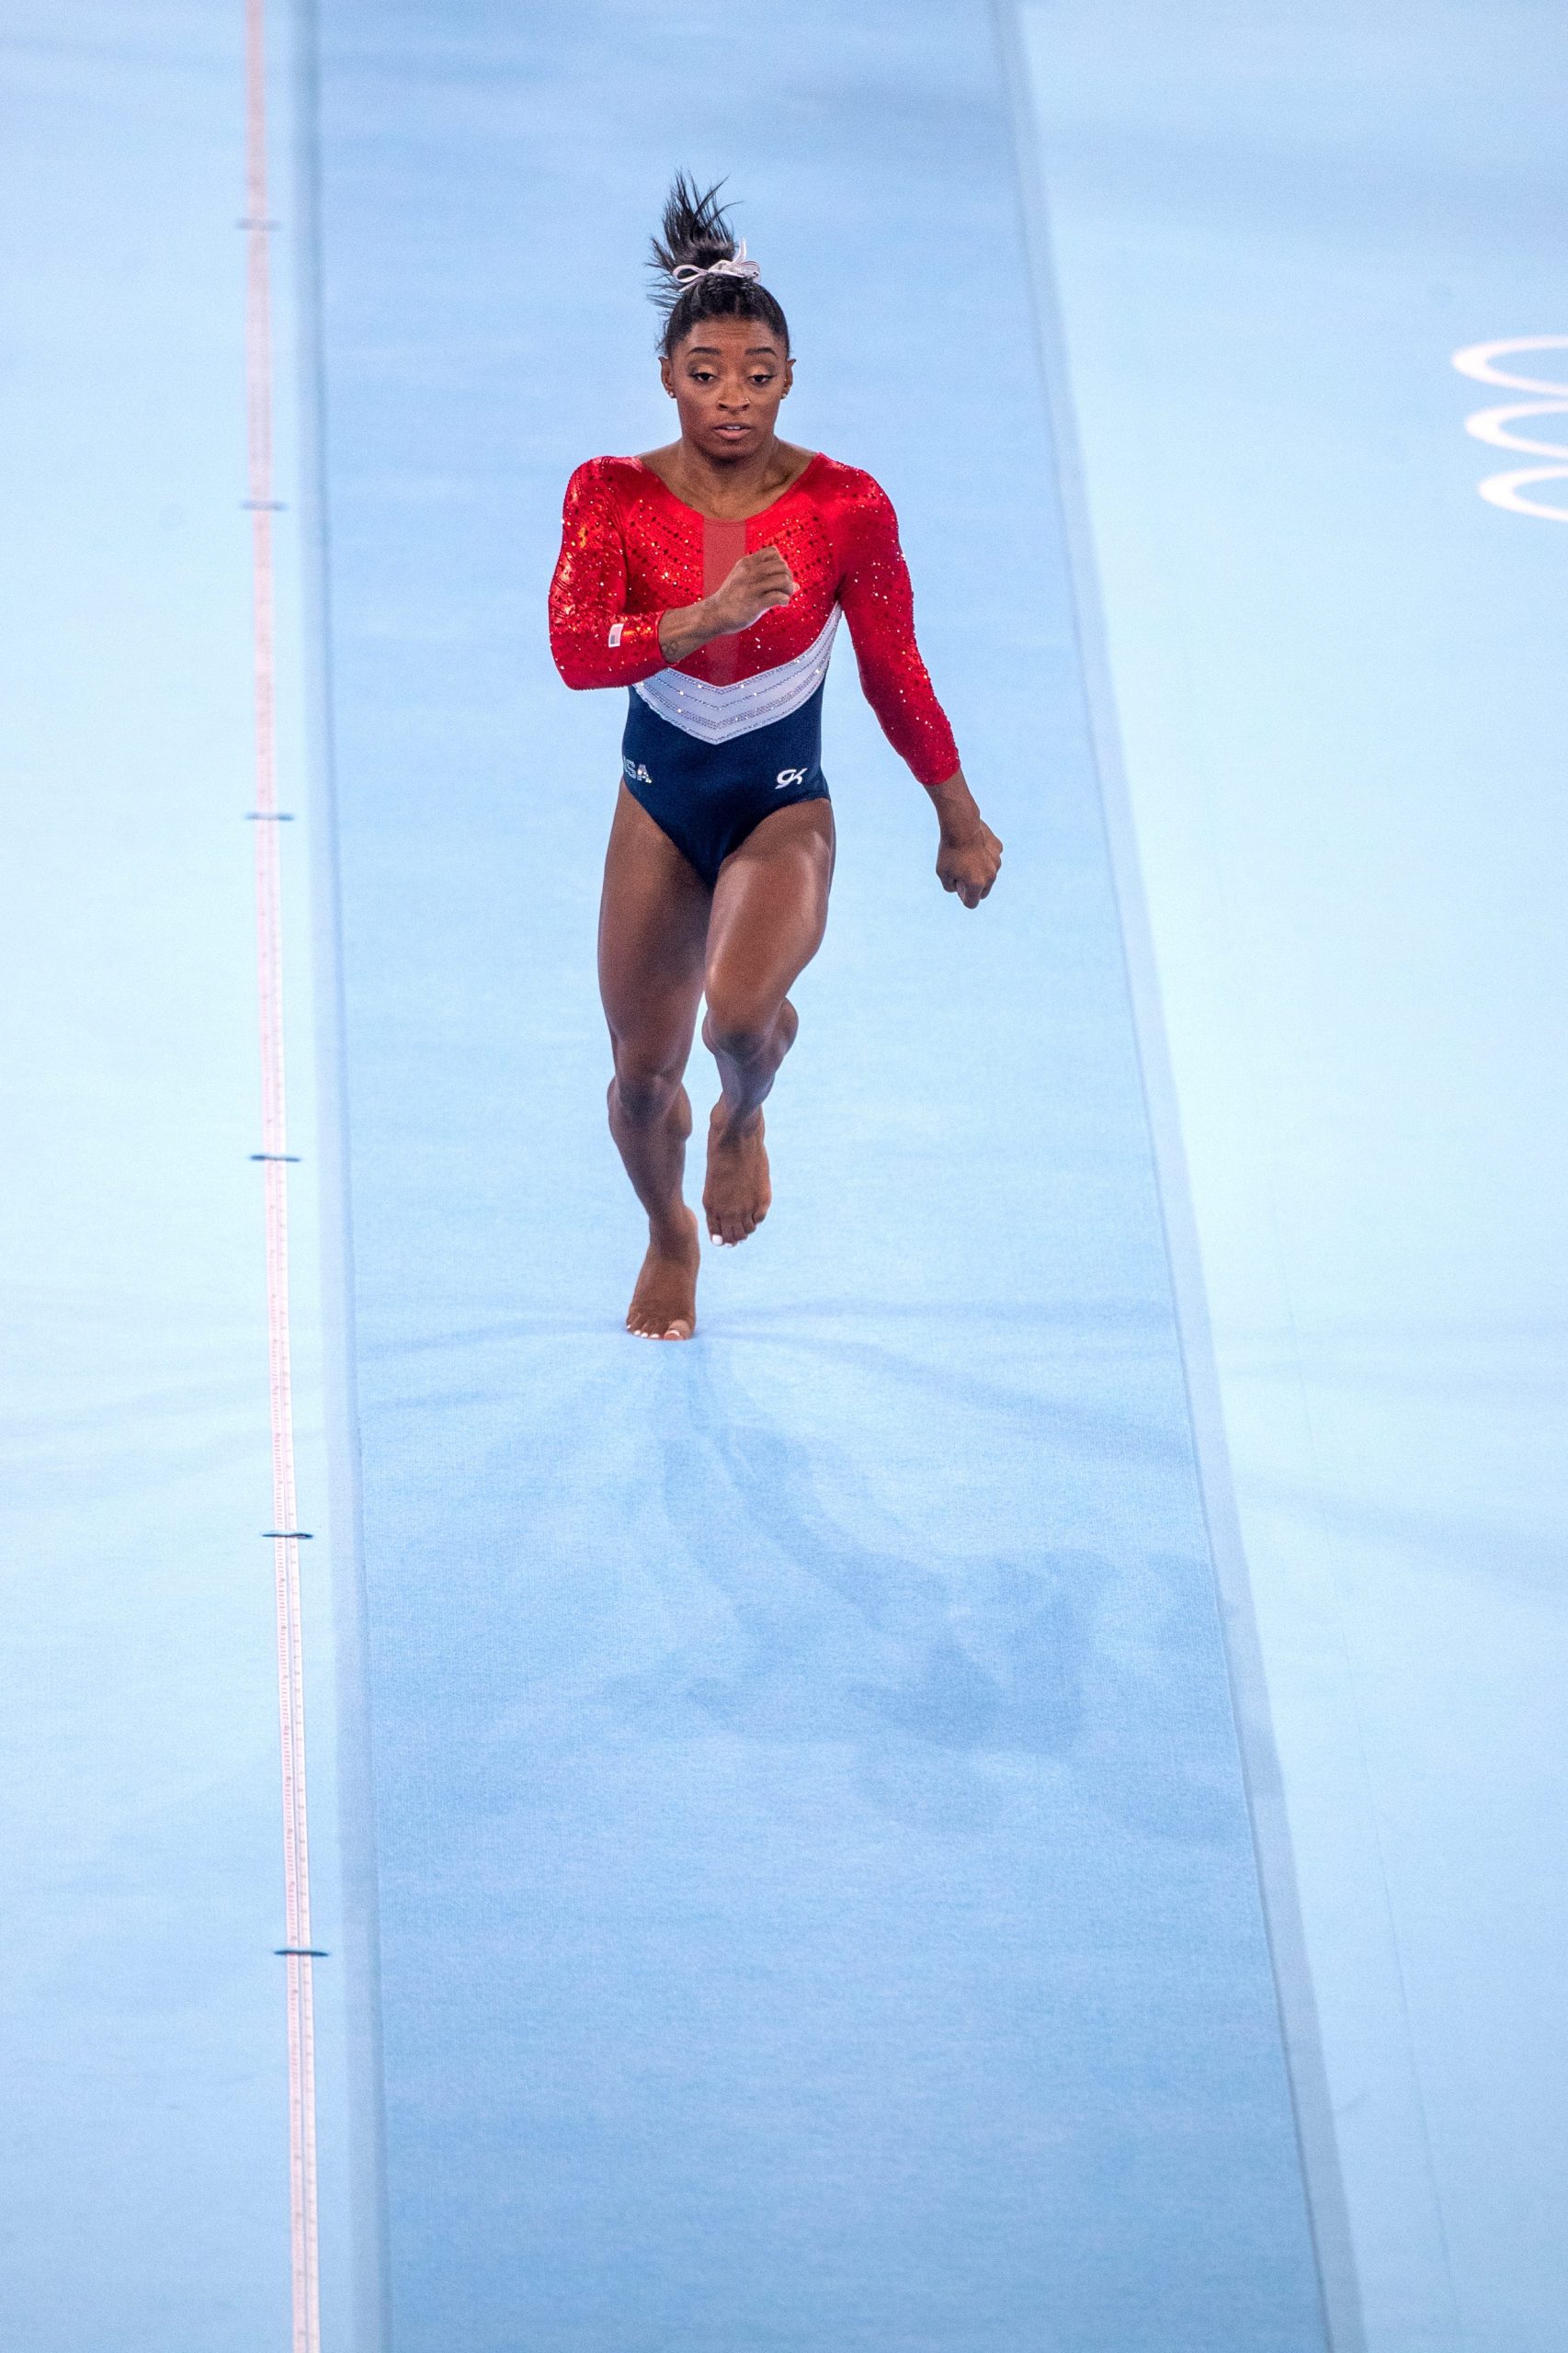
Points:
[(969, 861), (758, 583), (969, 857)]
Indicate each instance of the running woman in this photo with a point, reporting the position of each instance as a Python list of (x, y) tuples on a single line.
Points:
[(710, 577)]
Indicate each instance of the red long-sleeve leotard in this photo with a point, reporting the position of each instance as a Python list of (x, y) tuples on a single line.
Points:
[(630, 551)]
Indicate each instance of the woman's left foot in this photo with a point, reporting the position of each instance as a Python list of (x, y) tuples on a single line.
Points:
[(737, 1194)]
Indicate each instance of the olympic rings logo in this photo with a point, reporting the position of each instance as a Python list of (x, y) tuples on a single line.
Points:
[(1495, 425)]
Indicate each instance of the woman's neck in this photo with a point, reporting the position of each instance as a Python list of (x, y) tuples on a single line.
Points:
[(730, 488)]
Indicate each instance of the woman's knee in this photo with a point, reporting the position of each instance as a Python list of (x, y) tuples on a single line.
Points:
[(641, 1091), (739, 1030)]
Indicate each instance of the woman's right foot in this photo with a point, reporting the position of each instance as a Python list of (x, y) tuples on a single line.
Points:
[(664, 1305)]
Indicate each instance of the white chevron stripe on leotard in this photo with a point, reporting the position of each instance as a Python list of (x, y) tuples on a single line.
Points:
[(715, 714)]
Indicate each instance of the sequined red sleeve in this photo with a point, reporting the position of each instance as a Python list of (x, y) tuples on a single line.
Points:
[(596, 641), (879, 605)]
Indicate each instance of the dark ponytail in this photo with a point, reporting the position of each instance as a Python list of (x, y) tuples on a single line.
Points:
[(696, 231)]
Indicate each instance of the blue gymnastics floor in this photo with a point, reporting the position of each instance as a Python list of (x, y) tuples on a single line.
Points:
[(144, 2166), (1337, 680), (782, 1805)]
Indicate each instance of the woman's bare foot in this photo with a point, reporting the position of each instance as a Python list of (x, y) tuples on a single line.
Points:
[(738, 1193), (664, 1305)]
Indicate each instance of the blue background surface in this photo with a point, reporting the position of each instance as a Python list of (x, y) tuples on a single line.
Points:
[(792, 1777)]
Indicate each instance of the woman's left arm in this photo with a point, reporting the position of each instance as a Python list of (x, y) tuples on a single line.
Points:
[(879, 605)]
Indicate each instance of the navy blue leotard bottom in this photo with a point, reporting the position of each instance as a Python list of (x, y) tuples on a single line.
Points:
[(708, 797)]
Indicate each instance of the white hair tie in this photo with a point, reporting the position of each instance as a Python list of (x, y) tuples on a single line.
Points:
[(686, 273)]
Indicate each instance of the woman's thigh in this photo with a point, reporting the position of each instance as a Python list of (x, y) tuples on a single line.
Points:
[(769, 913), (652, 930)]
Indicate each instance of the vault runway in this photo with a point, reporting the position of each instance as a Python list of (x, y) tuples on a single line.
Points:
[(816, 1895)]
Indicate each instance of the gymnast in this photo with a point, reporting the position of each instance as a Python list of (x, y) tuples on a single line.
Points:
[(708, 577)]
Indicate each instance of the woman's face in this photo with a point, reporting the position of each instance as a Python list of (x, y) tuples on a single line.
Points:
[(728, 377)]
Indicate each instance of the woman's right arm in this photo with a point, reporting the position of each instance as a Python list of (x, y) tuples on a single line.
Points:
[(596, 640), (757, 582)]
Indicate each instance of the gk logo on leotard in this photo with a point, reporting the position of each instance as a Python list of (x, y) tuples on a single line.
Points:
[(635, 773), (789, 775)]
